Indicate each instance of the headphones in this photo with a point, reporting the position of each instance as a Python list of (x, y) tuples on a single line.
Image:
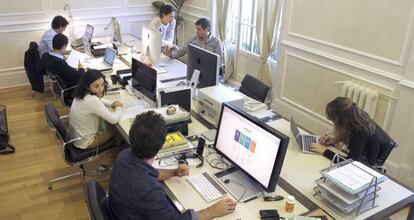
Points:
[(182, 159)]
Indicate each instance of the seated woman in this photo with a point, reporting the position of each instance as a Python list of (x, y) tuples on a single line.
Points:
[(89, 113), (354, 128), (165, 24)]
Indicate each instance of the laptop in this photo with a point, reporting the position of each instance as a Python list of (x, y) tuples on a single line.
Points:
[(304, 142), (88, 33), (105, 63)]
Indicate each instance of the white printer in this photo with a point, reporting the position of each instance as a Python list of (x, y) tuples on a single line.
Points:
[(211, 98)]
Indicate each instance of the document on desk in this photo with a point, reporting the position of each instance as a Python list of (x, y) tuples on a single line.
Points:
[(354, 177), (75, 57)]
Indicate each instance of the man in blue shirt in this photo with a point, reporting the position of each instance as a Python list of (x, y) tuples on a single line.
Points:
[(135, 191), (59, 24)]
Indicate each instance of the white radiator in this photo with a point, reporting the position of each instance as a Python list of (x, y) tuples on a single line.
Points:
[(365, 98)]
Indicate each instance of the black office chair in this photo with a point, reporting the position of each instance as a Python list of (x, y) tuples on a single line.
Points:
[(73, 156), (254, 88), (97, 201), (386, 144)]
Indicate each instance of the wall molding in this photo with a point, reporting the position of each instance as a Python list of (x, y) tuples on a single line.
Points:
[(26, 12), (407, 83), (402, 56), (197, 8), (378, 72)]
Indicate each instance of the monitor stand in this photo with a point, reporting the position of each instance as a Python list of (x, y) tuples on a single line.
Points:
[(194, 83), (240, 186)]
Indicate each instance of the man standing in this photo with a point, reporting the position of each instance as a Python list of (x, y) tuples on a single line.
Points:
[(135, 191)]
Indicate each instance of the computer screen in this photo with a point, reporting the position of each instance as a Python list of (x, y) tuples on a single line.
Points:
[(206, 62), (252, 146), (116, 30), (151, 44), (110, 55), (89, 32), (144, 79)]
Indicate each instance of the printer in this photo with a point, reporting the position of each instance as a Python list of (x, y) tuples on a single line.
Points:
[(211, 98)]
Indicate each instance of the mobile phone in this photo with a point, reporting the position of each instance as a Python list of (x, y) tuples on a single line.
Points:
[(273, 198), (269, 214)]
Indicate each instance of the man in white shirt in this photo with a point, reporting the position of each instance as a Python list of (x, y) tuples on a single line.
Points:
[(59, 24), (165, 24)]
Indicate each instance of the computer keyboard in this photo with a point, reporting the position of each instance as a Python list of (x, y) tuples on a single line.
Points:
[(206, 186)]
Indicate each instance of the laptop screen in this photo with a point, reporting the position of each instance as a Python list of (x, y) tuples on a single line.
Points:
[(109, 56), (293, 127), (89, 32)]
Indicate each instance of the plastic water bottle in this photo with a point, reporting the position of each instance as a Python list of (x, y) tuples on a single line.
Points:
[(133, 50), (86, 45)]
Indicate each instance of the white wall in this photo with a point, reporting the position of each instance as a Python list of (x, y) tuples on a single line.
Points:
[(366, 41), (22, 21)]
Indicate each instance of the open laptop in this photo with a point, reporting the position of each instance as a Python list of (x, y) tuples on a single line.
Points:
[(304, 142), (88, 33), (104, 63)]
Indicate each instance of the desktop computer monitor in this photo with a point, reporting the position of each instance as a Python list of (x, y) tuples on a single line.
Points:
[(89, 32), (144, 79), (116, 30), (151, 44), (255, 149), (204, 61)]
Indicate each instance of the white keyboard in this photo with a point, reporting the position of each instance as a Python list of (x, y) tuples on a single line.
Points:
[(206, 186)]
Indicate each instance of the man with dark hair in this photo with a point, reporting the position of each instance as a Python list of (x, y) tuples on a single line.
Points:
[(55, 62), (203, 38), (58, 26), (135, 191)]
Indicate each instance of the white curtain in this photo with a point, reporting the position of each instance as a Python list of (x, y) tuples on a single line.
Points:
[(223, 9), (266, 30)]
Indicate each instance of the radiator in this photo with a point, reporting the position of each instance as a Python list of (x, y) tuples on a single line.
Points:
[(364, 97)]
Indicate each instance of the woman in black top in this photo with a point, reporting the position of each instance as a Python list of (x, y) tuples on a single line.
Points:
[(354, 128)]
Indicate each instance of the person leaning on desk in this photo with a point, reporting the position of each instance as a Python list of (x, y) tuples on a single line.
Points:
[(165, 24), (354, 128), (135, 191), (54, 62), (89, 115)]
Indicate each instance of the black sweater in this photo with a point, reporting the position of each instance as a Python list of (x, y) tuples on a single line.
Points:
[(363, 147), (59, 67)]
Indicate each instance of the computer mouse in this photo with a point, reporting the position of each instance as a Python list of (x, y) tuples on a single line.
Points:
[(273, 198)]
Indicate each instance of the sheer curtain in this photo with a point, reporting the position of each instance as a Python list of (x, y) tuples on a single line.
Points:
[(223, 9), (266, 31)]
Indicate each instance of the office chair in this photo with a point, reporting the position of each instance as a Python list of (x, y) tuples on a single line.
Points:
[(386, 145), (254, 88), (65, 92), (73, 156), (54, 88), (97, 201)]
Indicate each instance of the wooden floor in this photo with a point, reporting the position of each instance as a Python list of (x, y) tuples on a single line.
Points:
[(24, 175)]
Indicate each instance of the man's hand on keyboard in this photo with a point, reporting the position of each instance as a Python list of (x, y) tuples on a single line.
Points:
[(182, 170), (220, 208)]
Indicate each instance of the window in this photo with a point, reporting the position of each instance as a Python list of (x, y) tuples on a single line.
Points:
[(246, 18)]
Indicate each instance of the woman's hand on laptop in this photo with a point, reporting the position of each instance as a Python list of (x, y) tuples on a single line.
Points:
[(327, 139), (318, 148), (116, 104)]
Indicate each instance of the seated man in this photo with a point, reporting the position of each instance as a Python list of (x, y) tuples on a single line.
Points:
[(135, 191), (59, 24), (203, 38), (54, 62)]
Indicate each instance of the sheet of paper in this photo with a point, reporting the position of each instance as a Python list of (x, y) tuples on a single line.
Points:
[(75, 57)]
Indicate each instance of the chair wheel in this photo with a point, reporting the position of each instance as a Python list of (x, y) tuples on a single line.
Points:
[(49, 188)]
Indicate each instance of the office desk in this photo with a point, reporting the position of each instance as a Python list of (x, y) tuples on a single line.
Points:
[(300, 170)]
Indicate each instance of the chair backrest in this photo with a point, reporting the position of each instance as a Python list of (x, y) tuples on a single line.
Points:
[(386, 144), (254, 88), (52, 117), (97, 201)]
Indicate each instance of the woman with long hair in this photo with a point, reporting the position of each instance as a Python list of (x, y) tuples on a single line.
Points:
[(352, 127), (89, 114)]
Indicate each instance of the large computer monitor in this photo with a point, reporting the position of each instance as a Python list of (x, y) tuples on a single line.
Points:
[(256, 150), (206, 62), (116, 30), (144, 79), (151, 45)]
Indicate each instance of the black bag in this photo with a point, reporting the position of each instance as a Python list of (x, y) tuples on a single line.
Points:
[(5, 148)]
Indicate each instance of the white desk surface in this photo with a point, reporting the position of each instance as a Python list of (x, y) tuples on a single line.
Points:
[(301, 170)]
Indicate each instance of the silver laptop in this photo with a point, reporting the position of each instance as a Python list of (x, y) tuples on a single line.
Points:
[(104, 63), (88, 33), (304, 142)]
